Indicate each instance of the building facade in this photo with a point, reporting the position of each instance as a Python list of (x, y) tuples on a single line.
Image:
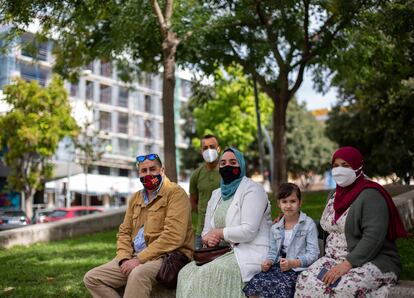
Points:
[(124, 119)]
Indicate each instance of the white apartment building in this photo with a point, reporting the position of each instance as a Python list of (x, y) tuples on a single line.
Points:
[(128, 117)]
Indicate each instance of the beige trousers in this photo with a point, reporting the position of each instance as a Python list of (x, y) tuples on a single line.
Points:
[(103, 281)]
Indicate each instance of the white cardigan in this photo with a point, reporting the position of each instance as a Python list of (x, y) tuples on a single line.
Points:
[(248, 223)]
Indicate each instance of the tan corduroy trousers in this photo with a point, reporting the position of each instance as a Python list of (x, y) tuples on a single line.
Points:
[(103, 281)]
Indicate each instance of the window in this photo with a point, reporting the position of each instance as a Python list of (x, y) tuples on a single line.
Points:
[(185, 88), (135, 125), (123, 97), (123, 172), (33, 72), (105, 94), (104, 170), (123, 122), (42, 51), (91, 169), (89, 90), (108, 145), (27, 45), (148, 103), (58, 214), (33, 48), (135, 101), (123, 145), (80, 212), (160, 83), (147, 81), (134, 148), (74, 90), (105, 121), (148, 132), (89, 67), (106, 68)]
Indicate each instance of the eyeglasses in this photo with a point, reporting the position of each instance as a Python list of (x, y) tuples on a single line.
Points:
[(152, 156)]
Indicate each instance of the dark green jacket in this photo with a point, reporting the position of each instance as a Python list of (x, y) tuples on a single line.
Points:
[(366, 233)]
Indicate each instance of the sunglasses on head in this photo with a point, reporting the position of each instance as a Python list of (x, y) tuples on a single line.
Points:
[(152, 156)]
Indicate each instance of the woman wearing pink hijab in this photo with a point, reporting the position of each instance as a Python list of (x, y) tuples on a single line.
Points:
[(361, 257)]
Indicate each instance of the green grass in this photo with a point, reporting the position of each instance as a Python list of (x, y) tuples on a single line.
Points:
[(406, 250), (56, 269)]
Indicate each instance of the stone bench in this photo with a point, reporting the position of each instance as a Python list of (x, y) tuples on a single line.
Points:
[(404, 288)]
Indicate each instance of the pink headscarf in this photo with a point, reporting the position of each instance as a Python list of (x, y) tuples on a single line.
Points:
[(344, 196)]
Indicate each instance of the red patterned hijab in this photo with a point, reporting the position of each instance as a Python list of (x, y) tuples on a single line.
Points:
[(344, 196)]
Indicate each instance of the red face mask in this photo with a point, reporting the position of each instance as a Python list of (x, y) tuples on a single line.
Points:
[(151, 182)]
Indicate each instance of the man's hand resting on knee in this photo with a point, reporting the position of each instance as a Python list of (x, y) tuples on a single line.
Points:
[(128, 265)]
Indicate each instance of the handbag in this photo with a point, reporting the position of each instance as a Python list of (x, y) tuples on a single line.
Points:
[(171, 265), (207, 254)]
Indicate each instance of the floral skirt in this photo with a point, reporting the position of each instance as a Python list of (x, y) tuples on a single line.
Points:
[(272, 284), (364, 281)]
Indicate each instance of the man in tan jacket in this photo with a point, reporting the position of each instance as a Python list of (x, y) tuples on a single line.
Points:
[(157, 221)]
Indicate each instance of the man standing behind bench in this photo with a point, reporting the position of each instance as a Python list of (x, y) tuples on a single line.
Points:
[(203, 181), (157, 221)]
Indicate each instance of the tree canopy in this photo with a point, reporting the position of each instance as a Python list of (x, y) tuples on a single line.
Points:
[(230, 112), (375, 75), (39, 118), (227, 109), (274, 41), (139, 35), (309, 149)]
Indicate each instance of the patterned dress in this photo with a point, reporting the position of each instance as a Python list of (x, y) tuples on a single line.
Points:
[(364, 281), (272, 284), (219, 278)]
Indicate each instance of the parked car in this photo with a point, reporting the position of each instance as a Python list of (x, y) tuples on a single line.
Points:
[(10, 219), (63, 213), (40, 215)]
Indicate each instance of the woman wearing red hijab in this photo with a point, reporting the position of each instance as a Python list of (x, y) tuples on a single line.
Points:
[(361, 257)]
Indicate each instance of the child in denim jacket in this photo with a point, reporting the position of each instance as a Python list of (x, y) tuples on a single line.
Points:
[(293, 247)]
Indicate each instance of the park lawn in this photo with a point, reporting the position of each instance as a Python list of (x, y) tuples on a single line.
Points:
[(56, 269)]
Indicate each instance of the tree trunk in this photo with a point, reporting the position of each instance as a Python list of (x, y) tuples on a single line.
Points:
[(28, 197), (169, 47), (259, 128), (279, 144)]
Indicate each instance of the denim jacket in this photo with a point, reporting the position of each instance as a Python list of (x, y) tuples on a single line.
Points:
[(303, 246)]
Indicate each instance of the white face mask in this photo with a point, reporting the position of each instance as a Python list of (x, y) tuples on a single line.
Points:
[(210, 155), (344, 176)]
